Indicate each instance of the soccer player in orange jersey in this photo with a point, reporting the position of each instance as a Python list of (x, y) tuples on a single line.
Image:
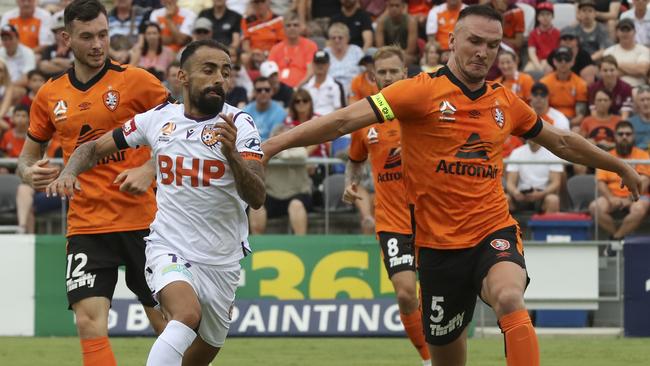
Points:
[(453, 125), (381, 142), (107, 223)]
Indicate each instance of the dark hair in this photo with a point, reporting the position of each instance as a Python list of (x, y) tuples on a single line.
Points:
[(605, 91), (21, 107), (624, 123), (485, 11), (292, 104), (36, 72), (608, 59), (261, 79), (145, 45), (83, 10), (195, 45)]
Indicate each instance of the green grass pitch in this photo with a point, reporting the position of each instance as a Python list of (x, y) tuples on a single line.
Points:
[(556, 351)]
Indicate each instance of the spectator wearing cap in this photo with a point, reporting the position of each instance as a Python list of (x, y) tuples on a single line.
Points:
[(364, 85), (641, 17), (19, 58), (262, 29), (599, 127), (583, 65), (513, 23), (150, 51), (175, 24), (226, 24), (592, 35), (280, 92), (58, 57), (33, 24), (517, 81), (441, 21), (398, 27), (328, 94), (610, 81), (294, 55), (202, 29), (266, 112), (358, 23), (344, 57), (542, 40), (126, 19), (568, 92), (539, 100), (641, 120), (633, 58)]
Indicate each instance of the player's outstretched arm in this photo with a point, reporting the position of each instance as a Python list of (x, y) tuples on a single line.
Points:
[(573, 147), (82, 159), (321, 129)]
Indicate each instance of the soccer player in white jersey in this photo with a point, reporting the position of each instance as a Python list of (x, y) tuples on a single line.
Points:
[(209, 169)]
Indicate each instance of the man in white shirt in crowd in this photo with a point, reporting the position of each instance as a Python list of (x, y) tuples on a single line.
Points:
[(19, 58), (539, 102), (533, 186), (641, 17), (328, 94)]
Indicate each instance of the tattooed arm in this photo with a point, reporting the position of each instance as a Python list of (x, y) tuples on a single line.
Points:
[(249, 180), (32, 168), (353, 175)]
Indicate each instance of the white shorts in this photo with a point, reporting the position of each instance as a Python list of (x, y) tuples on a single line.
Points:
[(214, 286)]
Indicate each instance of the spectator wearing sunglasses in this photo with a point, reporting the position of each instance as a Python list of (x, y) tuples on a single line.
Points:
[(583, 65), (266, 112), (280, 92), (633, 58), (613, 198), (568, 92)]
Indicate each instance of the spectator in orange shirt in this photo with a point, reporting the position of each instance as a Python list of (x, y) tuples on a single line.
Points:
[(613, 198), (32, 22), (13, 140), (363, 85), (542, 40), (517, 81), (599, 127), (513, 23), (263, 29), (175, 24), (293, 55), (568, 92), (441, 21)]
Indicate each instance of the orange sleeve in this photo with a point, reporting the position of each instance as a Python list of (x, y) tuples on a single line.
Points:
[(149, 91), (41, 127), (244, 29), (525, 122), (279, 29), (403, 99), (526, 87), (581, 91), (358, 149)]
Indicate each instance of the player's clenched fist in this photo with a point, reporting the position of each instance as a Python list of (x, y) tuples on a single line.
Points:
[(350, 194), (64, 186), (226, 134)]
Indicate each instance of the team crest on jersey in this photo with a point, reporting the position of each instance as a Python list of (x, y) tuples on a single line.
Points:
[(447, 111), (60, 110), (500, 244), (209, 135), (373, 136), (499, 116), (111, 99)]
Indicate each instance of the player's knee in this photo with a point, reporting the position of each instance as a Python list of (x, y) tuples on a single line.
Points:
[(296, 207), (89, 326), (190, 316), (508, 300), (407, 300)]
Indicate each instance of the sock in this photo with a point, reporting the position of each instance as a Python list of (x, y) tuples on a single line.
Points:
[(97, 352), (171, 344), (413, 326), (520, 338)]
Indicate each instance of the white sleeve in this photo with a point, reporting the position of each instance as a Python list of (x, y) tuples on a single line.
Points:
[(432, 21), (134, 131), (45, 34), (188, 22), (248, 138)]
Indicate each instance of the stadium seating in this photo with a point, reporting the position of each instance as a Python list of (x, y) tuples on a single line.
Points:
[(582, 190), (564, 15), (8, 186)]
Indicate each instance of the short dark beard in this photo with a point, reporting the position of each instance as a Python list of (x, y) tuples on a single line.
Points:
[(623, 149), (207, 105)]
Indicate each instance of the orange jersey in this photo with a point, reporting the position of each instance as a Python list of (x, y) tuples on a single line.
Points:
[(361, 88), (263, 34), (521, 85), (381, 142), (79, 113), (11, 144), (452, 145), (564, 94), (612, 179)]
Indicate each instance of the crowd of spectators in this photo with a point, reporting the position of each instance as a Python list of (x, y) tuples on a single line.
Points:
[(296, 59)]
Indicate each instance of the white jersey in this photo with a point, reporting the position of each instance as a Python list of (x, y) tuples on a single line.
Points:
[(200, 214)]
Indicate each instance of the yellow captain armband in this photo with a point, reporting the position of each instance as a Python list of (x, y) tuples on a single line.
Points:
[(382, 107)]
